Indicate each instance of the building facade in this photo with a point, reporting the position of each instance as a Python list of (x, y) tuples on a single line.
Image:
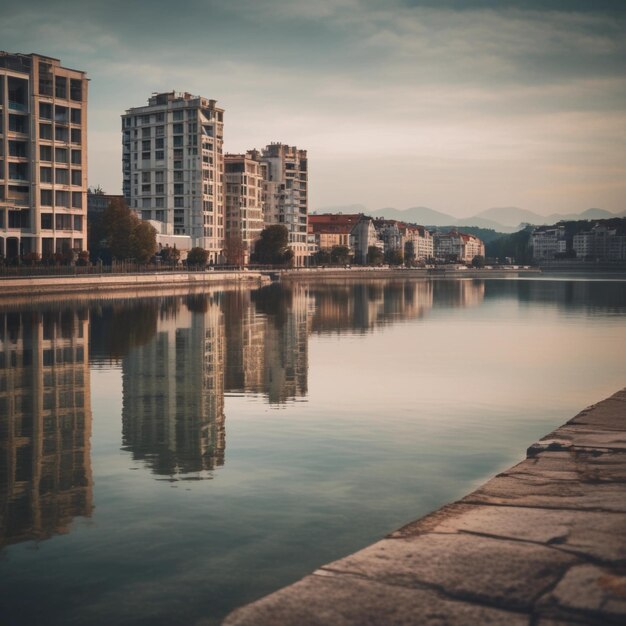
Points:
[(286, 195), (548, 241), (173, 167), (43, 157), (600, 243), (243, 180), (456, 246)]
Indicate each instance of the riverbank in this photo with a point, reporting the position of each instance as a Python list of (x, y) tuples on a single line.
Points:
[(98, 283), (543, 543)]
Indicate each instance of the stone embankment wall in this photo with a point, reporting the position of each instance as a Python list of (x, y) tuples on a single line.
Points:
[(105, 282), (542, 544)]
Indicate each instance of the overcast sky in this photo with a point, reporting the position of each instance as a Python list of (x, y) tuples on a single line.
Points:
[(456, 105)]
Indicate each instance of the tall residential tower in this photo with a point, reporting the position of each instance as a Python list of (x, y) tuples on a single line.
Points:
[(43, 156), (173, 167)]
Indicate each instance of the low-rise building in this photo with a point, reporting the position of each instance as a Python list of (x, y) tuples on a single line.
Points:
[(457, 246), (330, 230), (363, 236)]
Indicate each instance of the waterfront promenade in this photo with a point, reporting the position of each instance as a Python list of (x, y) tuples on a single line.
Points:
[(541, 544)]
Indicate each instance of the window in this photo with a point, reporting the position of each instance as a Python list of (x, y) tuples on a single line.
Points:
[(45, 174), (145, 177), (159, 143), (45, 153), (159, 203), (146, 188), (63, 222), (159, 176), (62, 198), (160, 131), (75, 135), (45, 131), (178, 141), (177, 129), (179, 202), (77, 202), (60, 114), (159, 155), (145, 132), (178, 165), (146, 145), (60, 155), (145, 156), (178, 177), (46, 221), (77, 177), (145, 203), (60, 87), (179, 188), (178, 116), (46, 197), (159, 188), (61, 133), (76, 90), (160, 117), (146, 215), (160, 216), (61, 176)]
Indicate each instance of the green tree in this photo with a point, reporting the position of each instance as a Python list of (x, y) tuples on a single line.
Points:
[(120, 234), (340, 254), (273, 246), (171, 256), (197, 256), (374, 256), (478, 261), (322, 257), (394, 257)]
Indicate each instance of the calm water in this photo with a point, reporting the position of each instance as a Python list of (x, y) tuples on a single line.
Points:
[(164, 460)]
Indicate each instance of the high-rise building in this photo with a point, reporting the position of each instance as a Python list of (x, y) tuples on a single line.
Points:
[(244, 205), (43, 156), (286, 194), (173, 167)]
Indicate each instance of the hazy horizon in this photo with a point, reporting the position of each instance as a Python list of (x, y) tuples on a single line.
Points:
[(454, 105)]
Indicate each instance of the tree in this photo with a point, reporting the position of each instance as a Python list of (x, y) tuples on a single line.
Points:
[(143, 241), (234, 249), (340, 254), (171, 256), (273, 246), (197, 256), (322, 257), (478, 261), (374, 256), (121, 234), (394, 257)]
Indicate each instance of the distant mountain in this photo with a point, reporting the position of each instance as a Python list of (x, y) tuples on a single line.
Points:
[(416, 215), (347, 208)]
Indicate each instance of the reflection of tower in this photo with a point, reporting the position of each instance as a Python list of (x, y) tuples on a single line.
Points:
[(286, 349), (173, 387), (45, 423)]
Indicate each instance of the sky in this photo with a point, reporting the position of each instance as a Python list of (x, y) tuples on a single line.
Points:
[(458, 105)]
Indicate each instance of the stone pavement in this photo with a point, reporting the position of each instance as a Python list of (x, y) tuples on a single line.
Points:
[(542, 544)]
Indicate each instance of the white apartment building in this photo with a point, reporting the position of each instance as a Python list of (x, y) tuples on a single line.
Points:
[(43, 157), (457, 246), (419, 242), (173, 167), (286, 194), (243, 180), (548, 241), (600, 243)]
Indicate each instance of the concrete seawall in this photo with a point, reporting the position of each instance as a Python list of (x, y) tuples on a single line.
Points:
[(95, 283), (542, 544)]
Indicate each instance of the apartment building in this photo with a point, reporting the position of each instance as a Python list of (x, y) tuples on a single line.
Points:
[(173, 167), (548, 241), (286, 194), (43, 156), (457, 246), (419, 244), (602, 243), (330, 230), (243, 180)]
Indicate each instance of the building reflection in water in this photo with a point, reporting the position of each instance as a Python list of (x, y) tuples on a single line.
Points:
[(173, 391), (45, 423)]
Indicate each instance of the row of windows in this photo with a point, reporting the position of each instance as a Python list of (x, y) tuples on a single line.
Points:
[(61, 133), (61, 222), (60, 155), (62, 176), (72, 199), (60, 114)]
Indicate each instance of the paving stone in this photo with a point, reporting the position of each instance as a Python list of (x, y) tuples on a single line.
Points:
[(508, 574), (599, 536), (346, 601), (589, 589)]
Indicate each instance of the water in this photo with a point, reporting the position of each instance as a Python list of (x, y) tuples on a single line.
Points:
[(164, 460)]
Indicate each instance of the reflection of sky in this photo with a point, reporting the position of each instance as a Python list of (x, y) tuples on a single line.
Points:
[(456, 105), (396, 422)]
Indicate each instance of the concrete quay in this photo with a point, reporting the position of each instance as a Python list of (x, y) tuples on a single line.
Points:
[(541, 544), (97, 283)]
